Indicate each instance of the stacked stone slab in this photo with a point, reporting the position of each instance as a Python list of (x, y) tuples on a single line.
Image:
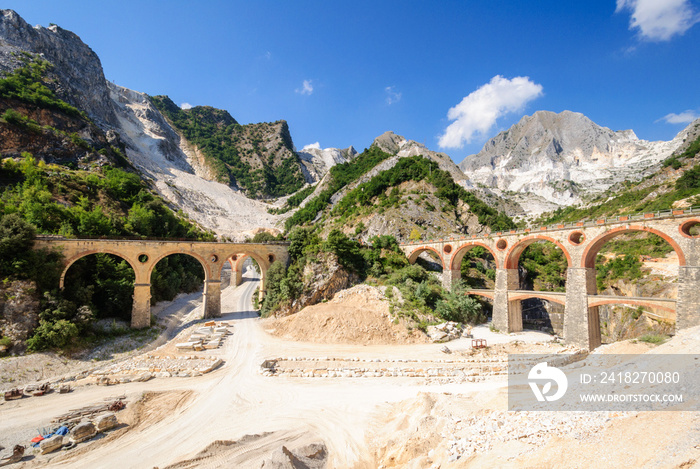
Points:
[(207, 337)]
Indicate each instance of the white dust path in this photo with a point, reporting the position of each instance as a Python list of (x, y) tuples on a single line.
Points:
[(236, 401)]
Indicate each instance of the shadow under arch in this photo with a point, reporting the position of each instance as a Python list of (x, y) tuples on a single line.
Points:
[(74, 259), (413, 258), (202, 262), (514, 253), (464, 249), (103, 281), (591, 252)]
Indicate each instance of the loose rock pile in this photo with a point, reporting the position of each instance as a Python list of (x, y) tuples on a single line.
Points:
[(448, 370), (470, 368), (448, 331), (482, 433), (148, 366)]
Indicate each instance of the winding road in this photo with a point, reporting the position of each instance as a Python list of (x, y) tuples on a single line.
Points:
[(250, 415)]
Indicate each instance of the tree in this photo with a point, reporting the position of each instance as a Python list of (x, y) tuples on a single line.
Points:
[(273, 288), (347, 250), (16, 239), (263, 237), (415, 235)]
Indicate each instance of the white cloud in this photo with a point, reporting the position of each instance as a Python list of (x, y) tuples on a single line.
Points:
[(685, 117), (392, 96), (659, 20), (312, 146), (185, 106), (306, 88), (478, 112)]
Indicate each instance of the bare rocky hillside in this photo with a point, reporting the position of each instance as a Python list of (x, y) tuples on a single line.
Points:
[(548, 160)]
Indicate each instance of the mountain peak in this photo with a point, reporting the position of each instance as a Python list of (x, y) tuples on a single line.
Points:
[(561, 157), (389, 142)]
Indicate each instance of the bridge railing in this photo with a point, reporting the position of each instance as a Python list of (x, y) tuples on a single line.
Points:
[(660, 214), (148, 238)]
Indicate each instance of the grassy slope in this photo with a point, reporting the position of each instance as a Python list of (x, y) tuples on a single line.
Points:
[(414, 182)]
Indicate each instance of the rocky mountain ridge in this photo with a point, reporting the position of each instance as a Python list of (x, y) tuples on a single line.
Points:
[(545, 161), (78, 76), (548, 160)]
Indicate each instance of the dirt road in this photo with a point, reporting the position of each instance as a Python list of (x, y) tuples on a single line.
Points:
[(232, 402)]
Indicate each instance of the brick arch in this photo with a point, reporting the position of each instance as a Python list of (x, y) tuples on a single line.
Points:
[(262, 263), (516, 250), (592, 249), (592, 301), (413, 257), (539, 295), (240, 259), (77, 257), (465, 248), (205, 265)]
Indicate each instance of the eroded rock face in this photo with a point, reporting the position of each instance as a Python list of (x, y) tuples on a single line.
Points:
[(559, 159), (19, 305), (80, 79), (323, 278), (316, 162)]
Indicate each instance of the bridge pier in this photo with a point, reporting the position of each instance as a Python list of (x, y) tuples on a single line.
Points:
[(581, 322), (212, 299), (450, 277), (507, 315), (141, 310), (688, 301)]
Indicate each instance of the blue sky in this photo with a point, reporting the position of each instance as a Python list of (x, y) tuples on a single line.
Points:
[(449, 74)]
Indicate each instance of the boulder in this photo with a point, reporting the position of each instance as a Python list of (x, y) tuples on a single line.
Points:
[(83, 431), (105, 422), (445, 331), (145, 376), (49, 445)]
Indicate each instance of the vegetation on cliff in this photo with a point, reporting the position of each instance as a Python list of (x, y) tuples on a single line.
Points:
[(372, 195), (259, 158), (48, 198), (27, 84), (417, 168), (381, 263)]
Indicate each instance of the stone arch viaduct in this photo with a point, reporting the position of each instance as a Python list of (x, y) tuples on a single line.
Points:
[(143, 255), (580, 243)]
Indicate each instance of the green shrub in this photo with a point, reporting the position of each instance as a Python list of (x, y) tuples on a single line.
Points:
[(656, 339), (53, 335), (459, 307), (347, 250)]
